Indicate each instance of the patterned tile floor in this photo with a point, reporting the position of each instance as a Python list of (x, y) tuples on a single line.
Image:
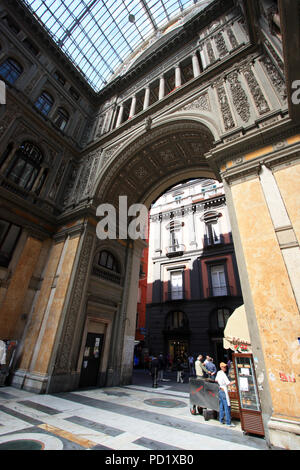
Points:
[(133, 417)]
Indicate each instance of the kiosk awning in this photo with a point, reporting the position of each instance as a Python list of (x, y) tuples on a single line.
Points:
[(236, 332)]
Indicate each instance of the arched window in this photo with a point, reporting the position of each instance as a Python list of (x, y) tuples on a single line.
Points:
[(44, 103), (25, 166), (61, 118), (10, 70), (108, 261)]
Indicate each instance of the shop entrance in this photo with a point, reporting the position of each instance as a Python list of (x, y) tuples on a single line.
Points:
[(91, 360), (177, 348)]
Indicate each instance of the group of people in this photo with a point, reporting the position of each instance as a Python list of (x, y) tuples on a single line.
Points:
[(201, 368)]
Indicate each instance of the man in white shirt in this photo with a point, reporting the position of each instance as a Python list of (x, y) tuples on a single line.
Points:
[(224, 400)]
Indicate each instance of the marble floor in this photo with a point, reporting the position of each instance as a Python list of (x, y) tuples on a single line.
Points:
[(133, 417)]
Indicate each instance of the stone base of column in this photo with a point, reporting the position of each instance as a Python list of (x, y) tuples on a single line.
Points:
[(25, 380), (284, 433)]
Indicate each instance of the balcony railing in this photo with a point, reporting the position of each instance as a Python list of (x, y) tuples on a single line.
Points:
[(224, 291), (175, 250)]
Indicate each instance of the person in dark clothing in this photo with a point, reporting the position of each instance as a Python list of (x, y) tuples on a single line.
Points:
[(179, 368), (161, 366), (154, 370)]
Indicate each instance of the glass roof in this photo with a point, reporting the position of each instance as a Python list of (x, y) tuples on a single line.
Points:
[(99, 35)]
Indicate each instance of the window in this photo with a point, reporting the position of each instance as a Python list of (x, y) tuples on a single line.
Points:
[(222, 316), (218, 280), (10, 70), (9, 235), (61, 118), (44, 103), (107, 260), (176, 285), (25, 166), (176, 320), (212, 229)]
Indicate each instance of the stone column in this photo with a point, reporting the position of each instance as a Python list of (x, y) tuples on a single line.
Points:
[(132, 107), (204, 60), (120, 115), (196, 66), (146, 98), (161, 93), (177, 76)]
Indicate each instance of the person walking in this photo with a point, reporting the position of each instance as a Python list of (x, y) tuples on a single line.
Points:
[(179, 368), (191, 365), (154, 370), (224, 400), (161, 367), (201, 371)]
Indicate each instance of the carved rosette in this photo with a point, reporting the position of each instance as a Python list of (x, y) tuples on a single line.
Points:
[(240, 99), (258, 96), (64, 363), (225, 108)]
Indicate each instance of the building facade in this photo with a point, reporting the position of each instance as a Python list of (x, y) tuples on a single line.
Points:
[(193, 282), (213, 96)]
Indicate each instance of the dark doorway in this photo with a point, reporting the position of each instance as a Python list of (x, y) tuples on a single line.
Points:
[(91, 360)]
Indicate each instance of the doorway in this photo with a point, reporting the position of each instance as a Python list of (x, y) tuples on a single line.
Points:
[(91, 360), (177, 348)]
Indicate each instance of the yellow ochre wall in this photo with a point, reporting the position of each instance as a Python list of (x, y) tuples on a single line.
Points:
[(274, 302)]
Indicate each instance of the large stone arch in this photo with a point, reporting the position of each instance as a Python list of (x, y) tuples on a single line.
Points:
[(168, 153)]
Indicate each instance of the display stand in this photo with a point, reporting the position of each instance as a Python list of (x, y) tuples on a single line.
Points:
[(233, 394), (250, 409)]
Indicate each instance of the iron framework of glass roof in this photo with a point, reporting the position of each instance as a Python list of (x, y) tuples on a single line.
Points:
[(99, 35)]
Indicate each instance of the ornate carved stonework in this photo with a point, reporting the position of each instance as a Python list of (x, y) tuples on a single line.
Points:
[(256, 92), (201, 103), (64, 364), (10, 115), (225, 108), (275, 77), (109, 152), (232, 38), (221, 45), (239, 97)]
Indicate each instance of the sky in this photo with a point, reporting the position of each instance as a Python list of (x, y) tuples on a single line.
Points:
[(98, 36)]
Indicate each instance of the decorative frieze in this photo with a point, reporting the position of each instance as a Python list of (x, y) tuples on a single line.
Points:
[(239, 96), (67, 195), (258, 96)]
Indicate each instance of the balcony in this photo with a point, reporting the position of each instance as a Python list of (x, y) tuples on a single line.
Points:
[(175, 250), (224, 291), (176, 295)]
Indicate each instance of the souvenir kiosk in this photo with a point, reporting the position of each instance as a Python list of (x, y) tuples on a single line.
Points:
[(244, 396)]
